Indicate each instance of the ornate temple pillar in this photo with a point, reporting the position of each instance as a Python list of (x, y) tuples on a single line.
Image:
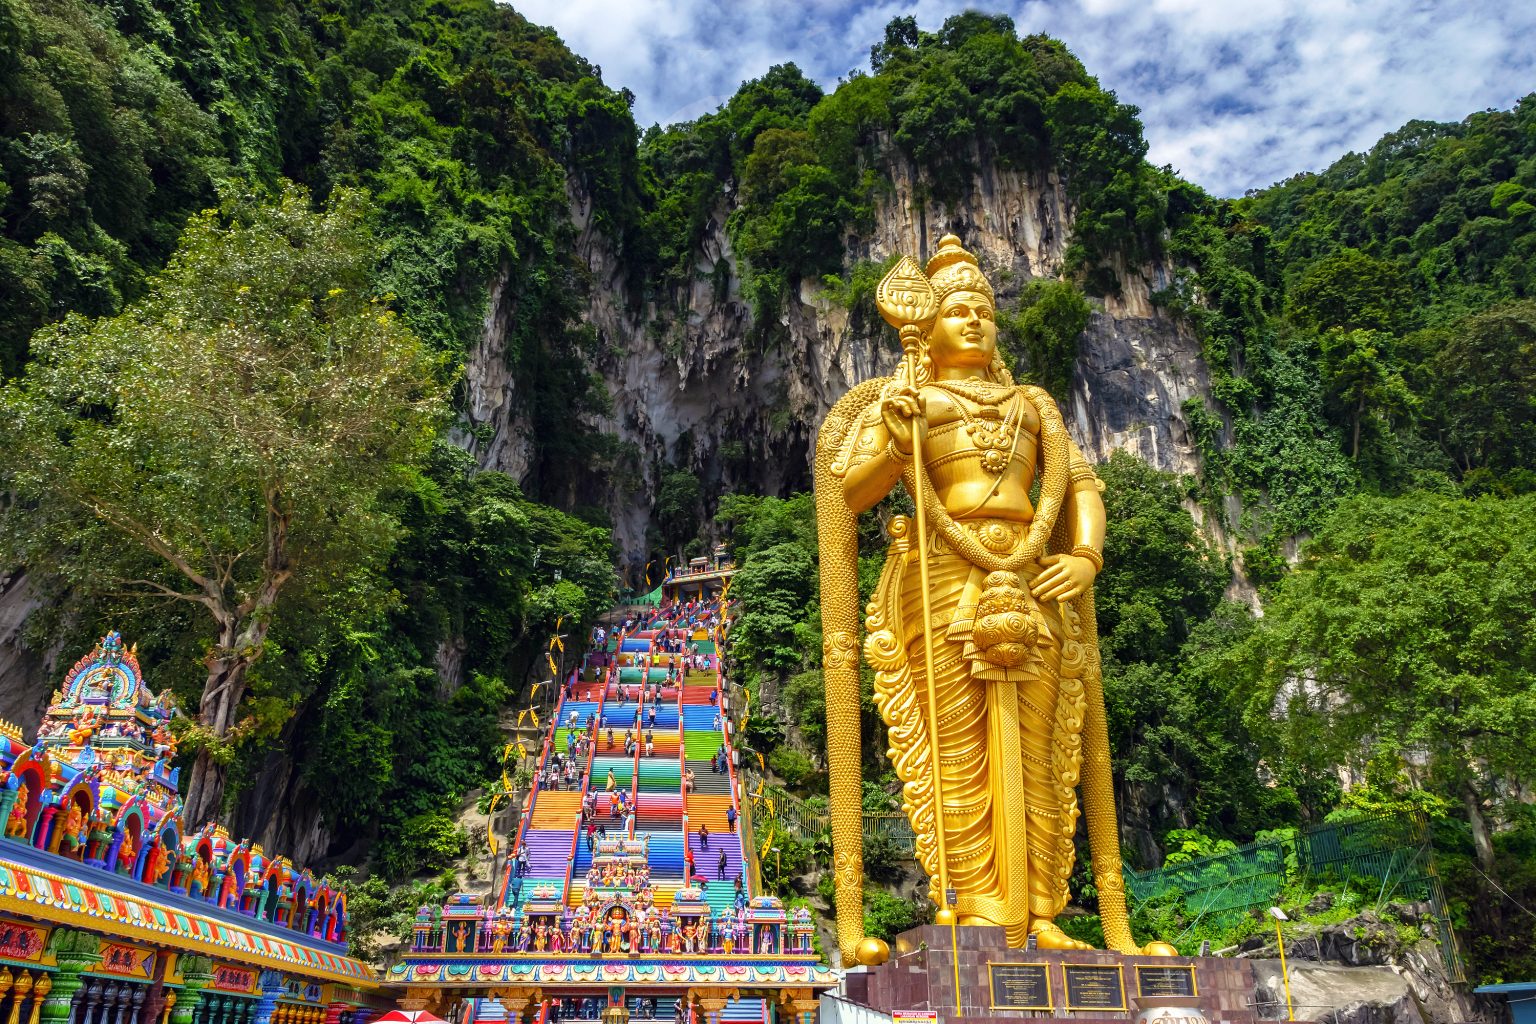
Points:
[(40, 829), (800, 1006), (87, 1004), (40, 989), (20, 989), (515, 1000), (77, 952), (711, 1004), (120, 1001), (7, 982), (420, 999), (271, 983), (196, 973)]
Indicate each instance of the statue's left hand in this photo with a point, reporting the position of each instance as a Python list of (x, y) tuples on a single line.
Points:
[(1065, 577)]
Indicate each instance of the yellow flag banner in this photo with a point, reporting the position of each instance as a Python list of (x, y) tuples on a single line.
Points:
[(726, 590), (490, 813), (521, 716), (554, 670), (557, 642), (522, 750), (535, 715)]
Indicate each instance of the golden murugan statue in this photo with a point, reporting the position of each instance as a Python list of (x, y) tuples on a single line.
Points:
[(996, 711)]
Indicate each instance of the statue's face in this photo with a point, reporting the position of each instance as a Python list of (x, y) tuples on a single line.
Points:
[(965, 332)]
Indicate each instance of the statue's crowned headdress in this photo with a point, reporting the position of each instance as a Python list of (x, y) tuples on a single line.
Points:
[(952, 269), (910, 297)]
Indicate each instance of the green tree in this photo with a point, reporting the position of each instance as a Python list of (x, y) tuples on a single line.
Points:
[(225, 441), (1405, 633), (1361, 379), (1480, 375), (1051, 317), (1350, 290), (677, 508)]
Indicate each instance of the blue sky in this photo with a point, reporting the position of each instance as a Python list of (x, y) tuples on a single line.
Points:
[(1235, 94)]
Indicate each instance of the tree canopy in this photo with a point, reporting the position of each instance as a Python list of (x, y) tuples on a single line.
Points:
[(225, 440)]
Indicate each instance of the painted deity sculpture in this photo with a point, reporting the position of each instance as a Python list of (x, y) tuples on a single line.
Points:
[(995, 709), (16, 824)]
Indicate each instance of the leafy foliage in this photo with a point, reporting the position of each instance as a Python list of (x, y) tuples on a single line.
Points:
[(1050, 317), (1369, 647), (451, 132), (886, 916), (225, 441)]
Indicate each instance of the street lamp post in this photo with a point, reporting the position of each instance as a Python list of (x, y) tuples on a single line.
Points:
[(1285, 977), (952, 897)]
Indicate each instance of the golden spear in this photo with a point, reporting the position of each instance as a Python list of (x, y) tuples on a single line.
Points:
[(907, 301)]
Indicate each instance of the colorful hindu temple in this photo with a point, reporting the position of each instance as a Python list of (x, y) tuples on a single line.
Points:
[(632, 892), (113, 910), (702, 579)]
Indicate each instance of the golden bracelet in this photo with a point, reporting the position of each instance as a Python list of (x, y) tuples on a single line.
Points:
[(896, 453), (1085, 551)]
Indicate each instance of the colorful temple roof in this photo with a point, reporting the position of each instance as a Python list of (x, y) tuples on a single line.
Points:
[(93, 835)]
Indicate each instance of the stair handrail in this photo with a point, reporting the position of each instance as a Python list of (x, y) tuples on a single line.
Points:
[(682, 774), (634, 778), (727, 730), (526, 821), (586, 779)]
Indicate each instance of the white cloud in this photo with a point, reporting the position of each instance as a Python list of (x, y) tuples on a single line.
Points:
[(1235, 95)]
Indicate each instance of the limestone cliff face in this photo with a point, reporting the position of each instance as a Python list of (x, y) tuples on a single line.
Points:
[(689, 388)]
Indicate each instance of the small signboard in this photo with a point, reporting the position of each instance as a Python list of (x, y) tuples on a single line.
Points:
[(1166, 981), (229, 978), (915, 1016), (1094, 987), (1019, 986), (128, 961), (23, 942)]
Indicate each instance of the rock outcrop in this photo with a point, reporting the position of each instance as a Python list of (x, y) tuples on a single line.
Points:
[(1366, 970), (690, 388)]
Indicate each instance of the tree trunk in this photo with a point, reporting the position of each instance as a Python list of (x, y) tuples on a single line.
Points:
[(222, 694), (1359, 415), (1481, 843)]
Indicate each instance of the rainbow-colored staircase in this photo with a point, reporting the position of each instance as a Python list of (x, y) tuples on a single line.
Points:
[(621, 918)]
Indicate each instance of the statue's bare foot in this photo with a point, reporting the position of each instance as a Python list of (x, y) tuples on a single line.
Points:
[(1048, 935)]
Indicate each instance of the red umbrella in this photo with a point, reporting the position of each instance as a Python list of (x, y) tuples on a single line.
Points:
[(409, 1017)]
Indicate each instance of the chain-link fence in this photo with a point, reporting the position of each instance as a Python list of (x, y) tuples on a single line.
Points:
[(1384, 859)]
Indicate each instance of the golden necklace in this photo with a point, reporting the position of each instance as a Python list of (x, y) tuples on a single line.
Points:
[(995, 438), (977, 389)]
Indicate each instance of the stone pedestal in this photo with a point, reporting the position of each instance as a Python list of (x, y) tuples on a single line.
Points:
[(921, 976)]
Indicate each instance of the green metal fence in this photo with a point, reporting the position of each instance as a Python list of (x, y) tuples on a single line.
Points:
[(1383, 859)]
